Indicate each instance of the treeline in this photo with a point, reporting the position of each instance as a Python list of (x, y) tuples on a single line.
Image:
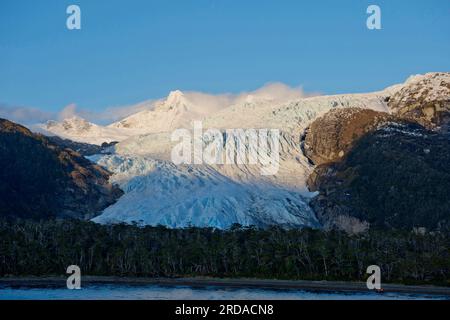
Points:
[(48, 247)]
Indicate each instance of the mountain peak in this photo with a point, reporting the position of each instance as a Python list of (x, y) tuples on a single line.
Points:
[(250, 98), (175, 97), (175, 100), (75, 123)]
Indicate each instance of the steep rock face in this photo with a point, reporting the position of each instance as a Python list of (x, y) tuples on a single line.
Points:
[(39, 179), (424, 98), (394, 177), (331, 136)]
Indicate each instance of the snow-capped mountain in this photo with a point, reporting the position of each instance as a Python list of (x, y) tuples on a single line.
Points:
[(176, 111), (159, 192), (81, 130)]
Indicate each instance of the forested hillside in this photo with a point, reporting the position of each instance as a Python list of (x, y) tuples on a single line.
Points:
[(48, 247)]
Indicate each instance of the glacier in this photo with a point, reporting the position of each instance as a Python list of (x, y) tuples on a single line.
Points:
[(157, 192)]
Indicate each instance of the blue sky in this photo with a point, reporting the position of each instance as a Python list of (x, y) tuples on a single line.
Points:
[(130, 51)]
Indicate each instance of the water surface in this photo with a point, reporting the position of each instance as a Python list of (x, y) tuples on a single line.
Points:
[(157, 292)]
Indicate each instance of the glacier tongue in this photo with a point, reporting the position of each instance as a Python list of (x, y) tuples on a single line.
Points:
[(159, 192)]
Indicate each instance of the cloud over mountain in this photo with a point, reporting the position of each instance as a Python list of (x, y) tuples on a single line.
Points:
[(25, 115)]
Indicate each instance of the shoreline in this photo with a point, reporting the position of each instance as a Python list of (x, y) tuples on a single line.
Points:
[(325, 286)]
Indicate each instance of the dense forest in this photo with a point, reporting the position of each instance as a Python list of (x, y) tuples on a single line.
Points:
[(47, 247)]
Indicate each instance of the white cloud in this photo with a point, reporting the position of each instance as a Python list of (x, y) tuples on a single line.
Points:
[(277, 91), (113, 114), (68, 111), (24, 115), (109, 115), (210, 101)]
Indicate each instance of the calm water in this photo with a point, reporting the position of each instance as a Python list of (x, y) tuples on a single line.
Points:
[(152, 292)]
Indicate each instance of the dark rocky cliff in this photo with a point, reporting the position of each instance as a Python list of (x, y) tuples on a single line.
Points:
[(396, 177), (39, 179)]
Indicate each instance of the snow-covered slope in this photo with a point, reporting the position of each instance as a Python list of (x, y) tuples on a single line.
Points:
[(81, 130), (293, 116)]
